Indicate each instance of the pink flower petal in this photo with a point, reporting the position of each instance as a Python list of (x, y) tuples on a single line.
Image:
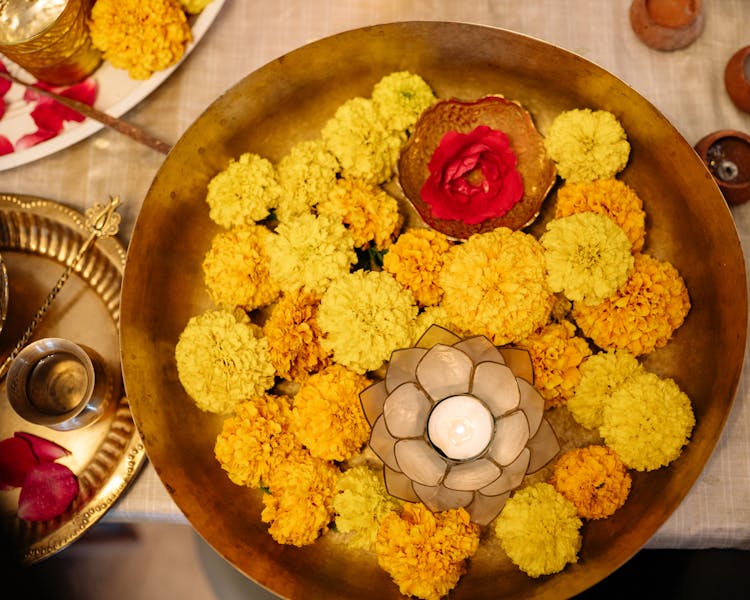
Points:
[(16, 461), (45, 450), (32, 139), (47, 492), (6, 147)]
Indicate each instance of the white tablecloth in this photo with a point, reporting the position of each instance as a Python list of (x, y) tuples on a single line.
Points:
[(686, 86)]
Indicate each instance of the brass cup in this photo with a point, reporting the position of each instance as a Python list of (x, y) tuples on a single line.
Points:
[(59, 384), (59, 52)]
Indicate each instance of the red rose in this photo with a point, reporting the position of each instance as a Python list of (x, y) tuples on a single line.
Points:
[(473, 176)]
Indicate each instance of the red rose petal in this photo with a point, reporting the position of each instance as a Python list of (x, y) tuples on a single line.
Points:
[(45, 450), (48, 117), (4, 83), (2, 107), (6, 147), (47, 492), (16, 461), (32, 139), (84, 91)]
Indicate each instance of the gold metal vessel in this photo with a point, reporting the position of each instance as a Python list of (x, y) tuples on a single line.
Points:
[(289, 100)]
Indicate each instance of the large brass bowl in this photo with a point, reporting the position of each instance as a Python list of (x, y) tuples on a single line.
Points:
[(289, 100)]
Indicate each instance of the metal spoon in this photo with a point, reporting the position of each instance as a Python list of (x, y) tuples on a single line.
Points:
[(102, 221)]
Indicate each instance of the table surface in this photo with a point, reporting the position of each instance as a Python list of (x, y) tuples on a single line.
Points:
[(687, 86)]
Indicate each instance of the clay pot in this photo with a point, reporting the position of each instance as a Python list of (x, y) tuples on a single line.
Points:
[(737, 78), (667, 24), (726, 153)]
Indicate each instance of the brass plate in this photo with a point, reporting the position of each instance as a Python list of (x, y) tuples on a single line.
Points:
[(289, 100), (37, 239)]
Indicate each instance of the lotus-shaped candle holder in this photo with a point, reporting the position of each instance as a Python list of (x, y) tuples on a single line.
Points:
[(458, 423)]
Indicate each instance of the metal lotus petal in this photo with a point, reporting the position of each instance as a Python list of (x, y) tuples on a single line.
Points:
[(511, 437), (406, 410), (519, 360), (382, 443), (496, 385), (402, 366), (372, 399), (445, 371), (532, 404), (419, 462), (512, 476), (480, 349), (485, 508), (544, 447), (472, 475), (438, 497), (399, 485), (437, 335)]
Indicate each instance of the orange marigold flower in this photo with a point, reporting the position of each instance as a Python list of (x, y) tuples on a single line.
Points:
[(415, 260), (255, 439), (424, 552), (141, 36), (610, 197), (327, 416), (368, 212), (495, 284), (594, 479), (235, 269), (556, 353), (299, 504), (294, 336), (643, 314)]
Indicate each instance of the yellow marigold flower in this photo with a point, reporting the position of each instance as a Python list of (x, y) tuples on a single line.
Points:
[(140, 36), (307, 174), (587, 145), (360, 140), (360, 505), (222, 361), (495, 284), (415, 260), (366, 316), (368, 212), (400, 98), (647, 421), (294, 336), (255, 439), (643, 314), (327, 416), (601, 375), (235, 269), (587, 255), (610, 197), (244, 192), (310, 252), (299, 504), (425, 553), (556, 353), (539, 529), (594, 479)]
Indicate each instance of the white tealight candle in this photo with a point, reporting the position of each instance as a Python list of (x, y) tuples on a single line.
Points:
[(460, 427)]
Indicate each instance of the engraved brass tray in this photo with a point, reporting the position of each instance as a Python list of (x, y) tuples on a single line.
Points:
[(289, 100), (37, 239)]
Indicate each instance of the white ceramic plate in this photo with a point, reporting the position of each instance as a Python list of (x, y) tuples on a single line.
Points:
[(117, 94)]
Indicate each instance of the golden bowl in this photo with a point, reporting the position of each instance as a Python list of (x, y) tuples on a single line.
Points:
[(289, 100)]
